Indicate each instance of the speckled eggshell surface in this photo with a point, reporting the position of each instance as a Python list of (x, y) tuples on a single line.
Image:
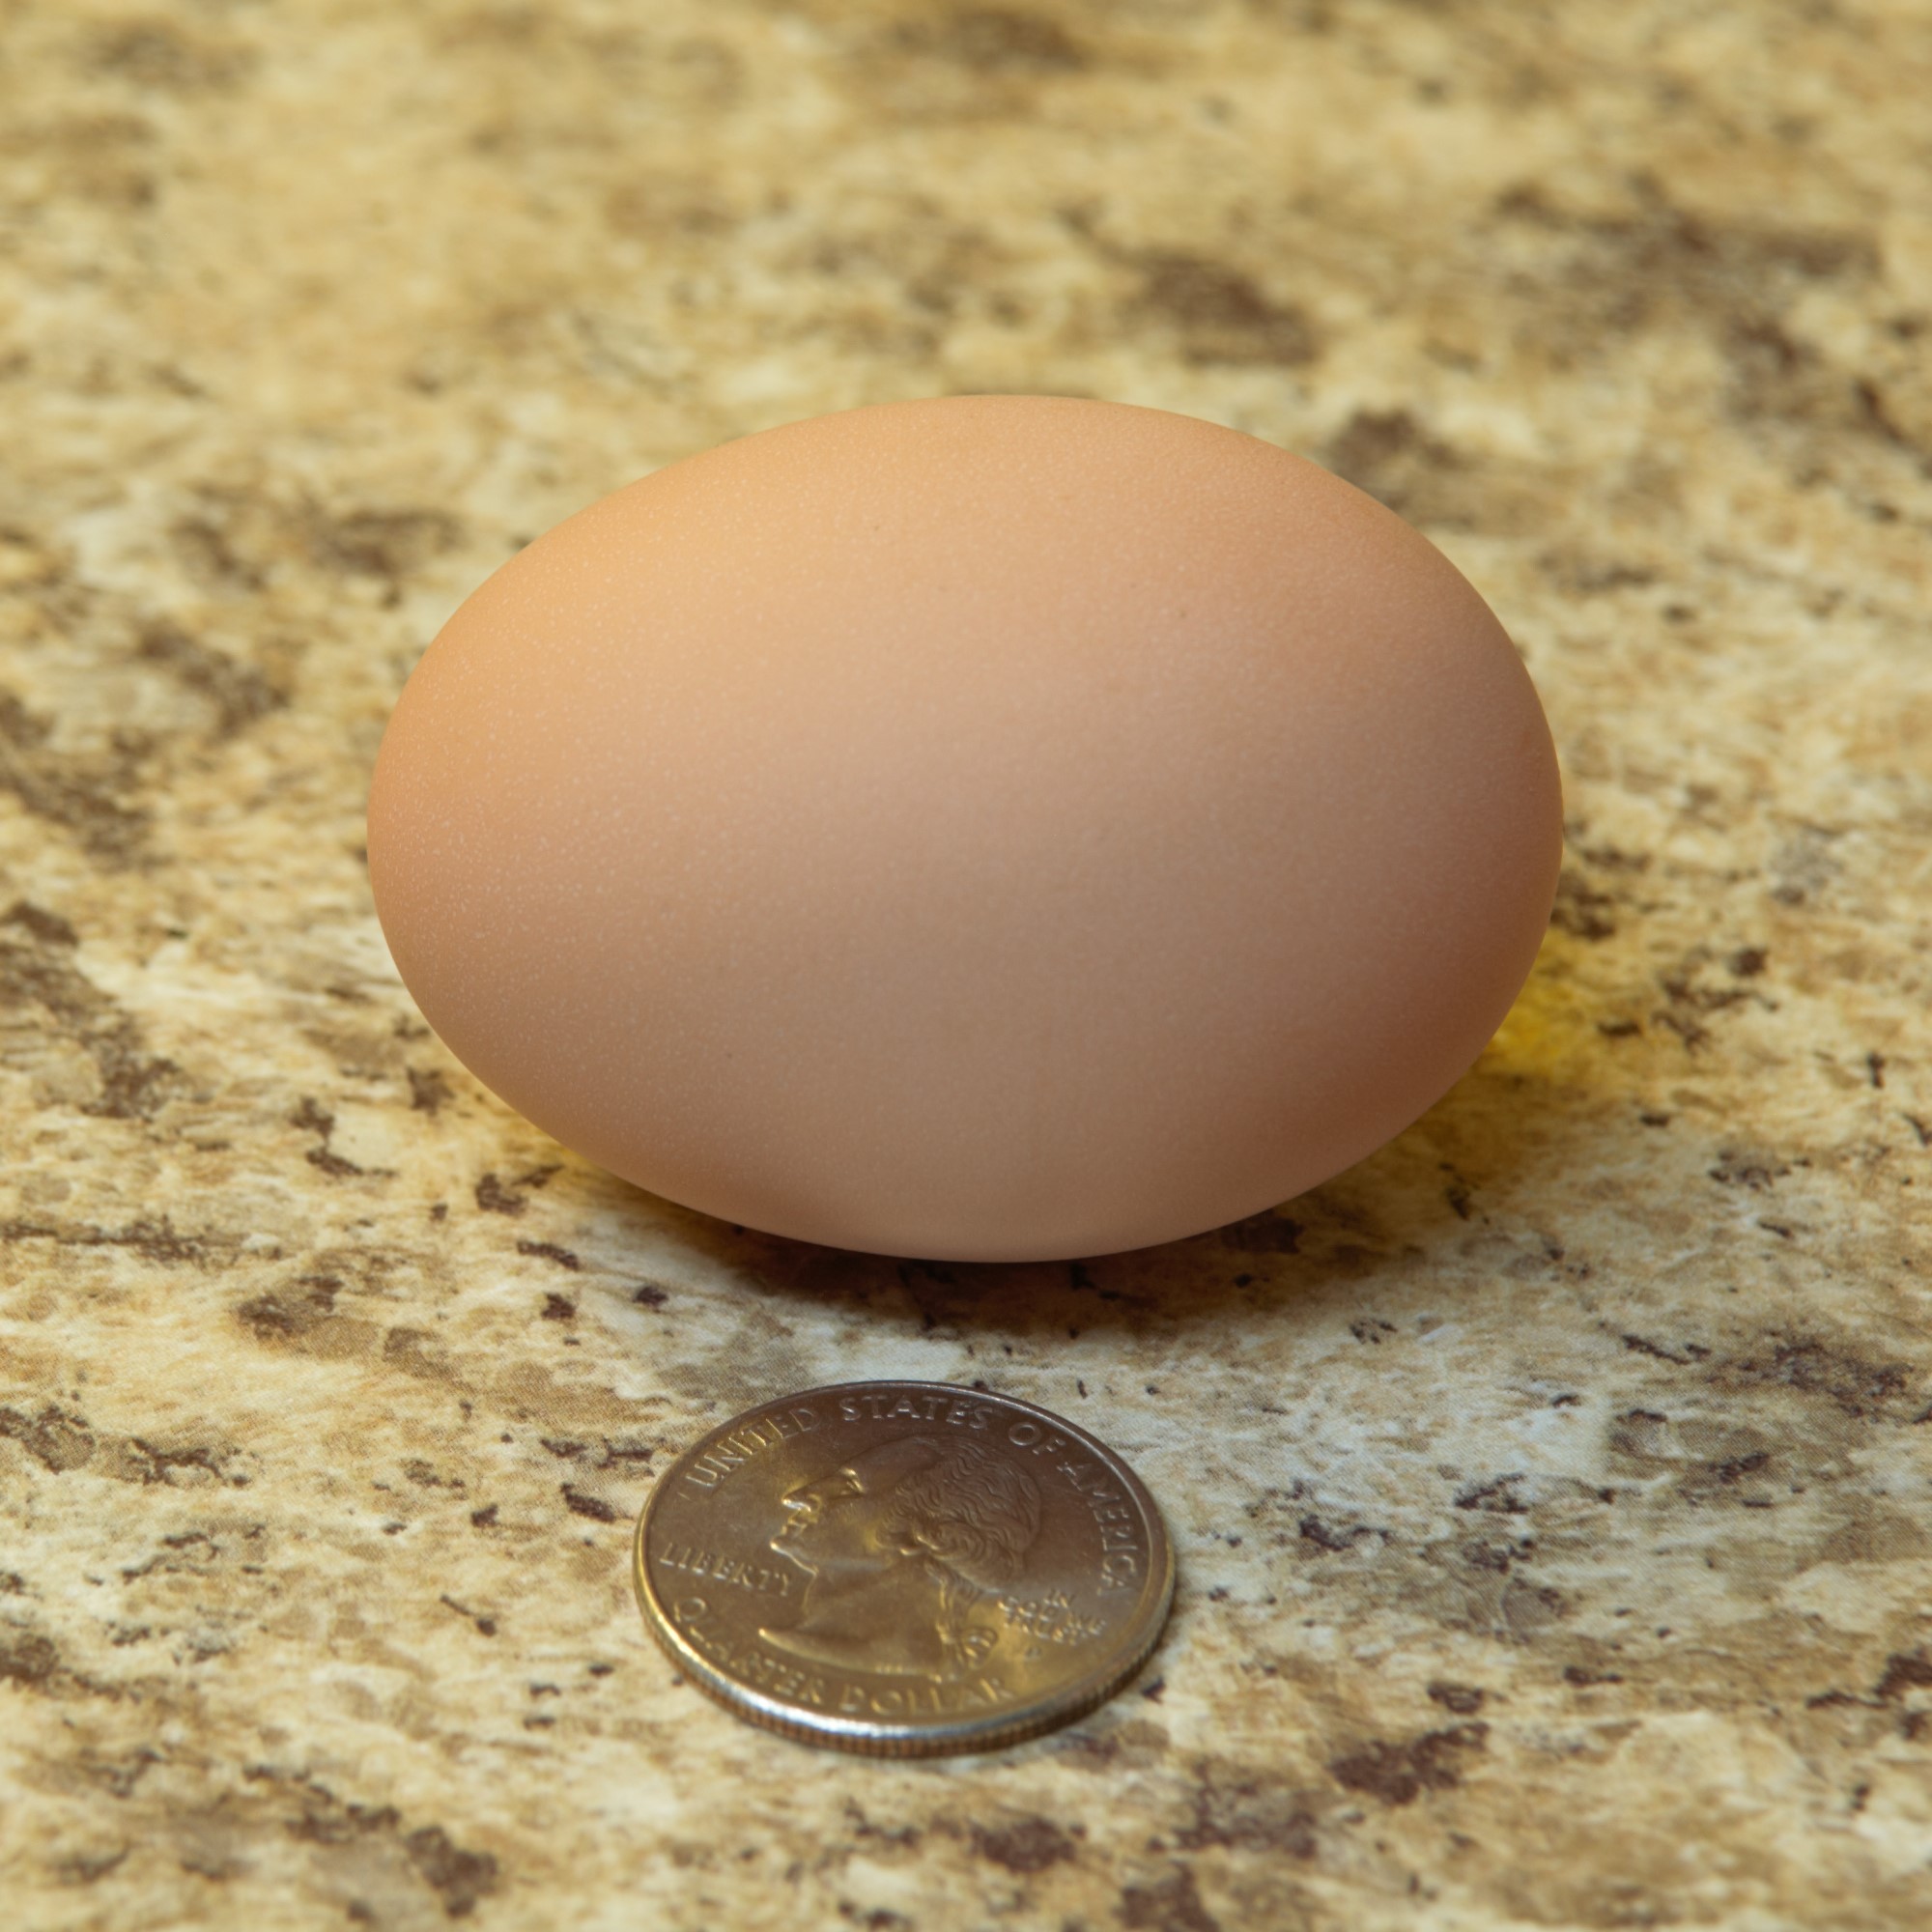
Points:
[(989, 828)]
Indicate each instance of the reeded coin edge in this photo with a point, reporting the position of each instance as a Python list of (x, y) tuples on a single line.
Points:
[(866, 1737)]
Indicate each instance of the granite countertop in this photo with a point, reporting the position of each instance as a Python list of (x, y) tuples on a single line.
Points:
[(1550, 1491)]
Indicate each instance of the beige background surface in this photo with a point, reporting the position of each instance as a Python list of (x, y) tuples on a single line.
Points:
[(1551, 1491)]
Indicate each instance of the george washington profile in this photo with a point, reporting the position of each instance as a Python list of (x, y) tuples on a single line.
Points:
[(899, 1544)]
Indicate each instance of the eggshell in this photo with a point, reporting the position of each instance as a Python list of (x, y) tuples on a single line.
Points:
[(990, 827)]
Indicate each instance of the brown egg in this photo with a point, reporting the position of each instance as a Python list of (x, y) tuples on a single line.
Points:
[(993, 828)]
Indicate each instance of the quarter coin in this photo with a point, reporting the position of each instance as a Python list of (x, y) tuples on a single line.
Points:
[(903, 1567)]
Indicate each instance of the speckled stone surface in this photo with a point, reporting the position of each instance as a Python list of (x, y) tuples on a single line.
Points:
[(1550, 1491)]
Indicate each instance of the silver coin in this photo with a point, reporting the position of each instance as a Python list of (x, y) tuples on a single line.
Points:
[(903, 1567)]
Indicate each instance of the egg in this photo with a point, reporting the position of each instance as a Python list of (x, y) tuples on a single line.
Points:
[(986, 827)]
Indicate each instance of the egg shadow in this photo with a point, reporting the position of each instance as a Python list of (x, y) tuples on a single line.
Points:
[(1473, 1181)]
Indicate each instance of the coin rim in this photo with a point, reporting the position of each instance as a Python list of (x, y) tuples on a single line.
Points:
[(883, 1738)]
